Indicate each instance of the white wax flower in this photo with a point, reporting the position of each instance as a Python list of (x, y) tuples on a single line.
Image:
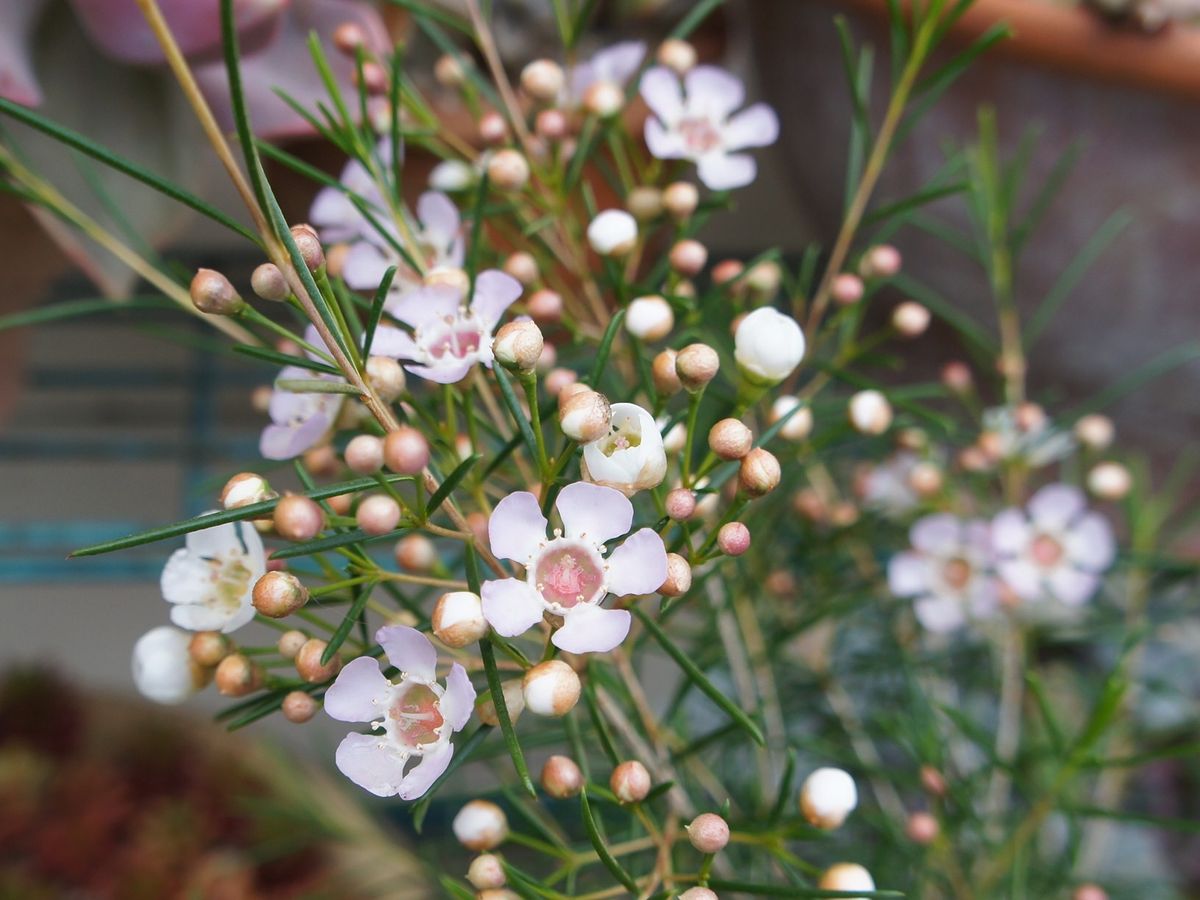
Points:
[(162, 667), (631, 457), (612, 233), (768, 345)]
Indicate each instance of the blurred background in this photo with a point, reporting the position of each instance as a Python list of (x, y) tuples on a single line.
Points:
[(112, 423)]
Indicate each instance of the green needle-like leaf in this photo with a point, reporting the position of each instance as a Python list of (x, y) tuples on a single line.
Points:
[(601, 846), (452, 481), (496, 687)]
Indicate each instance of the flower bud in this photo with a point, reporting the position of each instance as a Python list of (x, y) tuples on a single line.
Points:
[(1109, 481), (630, 781), (364, 454), (514, 702), (298, 707), (518, 346), (914, 439), (298, 518), (759, 473), (603, 99), (681, 504), (486, 872), (237, 676), (679, 577), (308, 662), (372, 78), (213, 294), (726, 271), (386, 378), (545, 306), (956, 376), (585, 416), (415, 553), (870, 412), (492, 128), (290, 642), (663, 373), (405, 451), (688, 257), (508, 170), (279, 594), (680, 199), (551, 688), (922, 828), (268, 282), (542, 80), (846, 877), (309, 245), (1089, 892), (523, 267), (378, 514), (932, 781), (730, 439), (827, 797), (799, 425), (348, 37), (1030, 417), (164, 668), (764, 278), (497, 894), (551, 124), (644, 202), (208, 648), (699, 893), (925, 478), (676, 439), (480, 825), (880, 261), (781, 583), (1095, 431), (697, 365), (733, 539), (451, 175), (245, 488), (612, 233), (649, 318), (768, 346), (559, 381), (561, 777), (910, 319), (847, 289), (321, 460), (677, 55), (458, 619), (708, 833), (448, 71)]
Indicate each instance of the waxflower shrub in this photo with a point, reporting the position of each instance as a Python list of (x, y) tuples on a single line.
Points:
[(637, 572)]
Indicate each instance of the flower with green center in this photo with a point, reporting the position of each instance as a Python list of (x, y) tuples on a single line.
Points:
[(210, 582)]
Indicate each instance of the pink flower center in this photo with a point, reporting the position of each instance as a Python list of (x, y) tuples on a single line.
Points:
[(416, 717), (699, 135), (455, 338), (1046, 551), (568, 574), (956, 573)]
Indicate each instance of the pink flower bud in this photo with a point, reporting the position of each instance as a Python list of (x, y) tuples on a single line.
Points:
[(415, 553), (492, 128), (730, 439), (708, 833), (733, 539), (922, 828), (558, 380), (759, 473), (523, 267), (697, 365), (237, 676), (542, 80), (681, 504), (278, 594), (508, 170), (680, 199), (726, 271), (551, 124), (298, 518), (290, 642), (309, 245), (677, 55), (298, 707), (847, 289), (308, 662), (386, 378), (561, 777), (630, 781), (910, 319), (213, 294), (405, 451), (664, 374), (679, 577), (348, 37), (956, 376), (699, 893), (378, 514), (880, 261), (688, 257), (364, 454), (486, 872), (268, 282)]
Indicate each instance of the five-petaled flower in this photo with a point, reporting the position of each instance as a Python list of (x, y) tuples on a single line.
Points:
[(569, 574), (210, 582), (613, 65), (1054, 548), (699, 124), (413, 717), (437, 241), (947, 573), (631, 456), (448, 337)]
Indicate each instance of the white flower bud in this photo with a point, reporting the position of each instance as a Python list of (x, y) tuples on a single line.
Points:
[(846, 877), (828, 796), (163, 669), (629, 456), (298, 518), (910, 319), (1109, 481), (542, 80), (290, 642), (612, 233), (644, 202), (847, 289), (688, 257), (679, 576), (518, 345), (415, 553), (451, 176), (508, 170), (677, 54), (768, 345), (551, 688), (585, 416), (699, 893), (386, 378), (799, 426), (561, 777), (881, 261), (480, 825), (405, 450), (764, 278), (630, 781), (1096, 432), (245, 488), (649, 318), (458, 619), (708, 833), (378, 514), (870, 412), (522, 266), (603, 99), (364, 454), (486, 872), (298, 707), (680, 199)]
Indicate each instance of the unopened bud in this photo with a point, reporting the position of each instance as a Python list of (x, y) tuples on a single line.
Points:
[(846, 877), (708, 833), (551, 124), (492, 128), (664, 375), (726, 271), (405, 451), (688, 257), (585, 416), (881, 261), (645, 202), (545, 306), (486, 872), (508, 170), (237, 676), (910, 319), (309, 245), (308, 662), (298, 518), (1030, 417), (932, 781), (799, 424), (956, 376), (1096, 432), (561, 777), (208, 648), (603, 99), (518, 346), (697, 365), (680, 504), (730, 439), (386, 378), (542, 80), (364, 454), (279, 594), (759, 473), (612, 232), (213, 294), (680, 199), (480, 825), (514, 702), (290, 642), (523, 267), (378, 514), (348, 37), (551, 688), (870, 412), (630, 781), (1089, 892), (847, 289), (372, 78), (559, 380), (925, 478), (458, 619), (649, 318), (677, 54), (922, 828), (699, 893), (764, 278), (415, 553), (733, 539), (1109, 481), (827, 797), (448, 71), (679, 577), (268, 282), (298, 707), (245, 488)]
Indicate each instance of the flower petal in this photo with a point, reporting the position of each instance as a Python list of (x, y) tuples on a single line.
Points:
[(201, 617), (1071, 586), (444, 373), (663, 143), (908, 574), (495, 291), (394, 342), (1023, 577), (439, 218), (755, 126), (408, 650), (511, 607), (939, 534), (596, 513), (288, 441), (365, 266), (1010, 532), (420, 778), (714, 92), (639, 565), (939, 613), (517, 527), (619, 62), (592, 629), (424, 304), (215, 542), (1055, 505), (359, 693), (661, 90), (724, 172), (1090, 544), (372, 763), (458, 702)]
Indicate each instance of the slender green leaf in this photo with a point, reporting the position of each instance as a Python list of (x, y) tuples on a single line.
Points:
[(77, 308), (695, 16), (601, 847), (283, 359), (488, 655), (514, 410), (446, 488), (605, 348), (336, 542), (362, 594)]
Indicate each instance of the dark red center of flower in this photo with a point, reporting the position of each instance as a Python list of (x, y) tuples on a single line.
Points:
[(415, 716)]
